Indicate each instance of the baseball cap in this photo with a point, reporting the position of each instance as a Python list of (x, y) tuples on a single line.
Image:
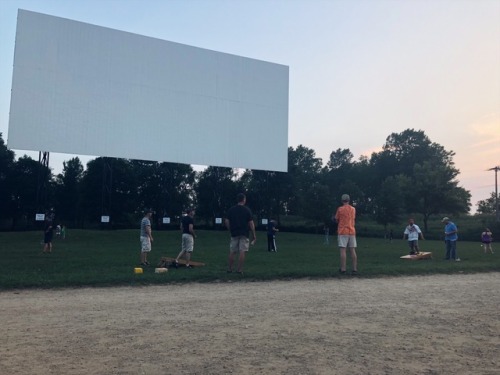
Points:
[(445, 219), (345, 198)]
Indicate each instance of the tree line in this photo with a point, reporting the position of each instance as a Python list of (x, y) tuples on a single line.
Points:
[(410, 175)]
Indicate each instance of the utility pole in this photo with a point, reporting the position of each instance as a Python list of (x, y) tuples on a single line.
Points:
[(496, 169)]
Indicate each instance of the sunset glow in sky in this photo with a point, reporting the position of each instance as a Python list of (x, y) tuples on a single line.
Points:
[(359, 69)]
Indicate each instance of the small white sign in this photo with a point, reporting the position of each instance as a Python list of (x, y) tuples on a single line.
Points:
[(104, 219), (40, 217), (264, 221), (218, 220), (166, 220)]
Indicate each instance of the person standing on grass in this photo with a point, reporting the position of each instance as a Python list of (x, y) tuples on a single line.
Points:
[(413, 232), (487, 239), (326, 229), (450, 239), (239, 221), (345, 218), (271, 236), (188, 236), (146, 237), (48, 233)]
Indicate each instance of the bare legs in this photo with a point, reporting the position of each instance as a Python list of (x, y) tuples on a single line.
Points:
[(241, 261), (487, 246), (187, 255), (47, 247), (343, 259)]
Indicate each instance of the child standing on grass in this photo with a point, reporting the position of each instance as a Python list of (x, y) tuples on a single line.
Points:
[(413, 232), (487, 239), (47, 236)]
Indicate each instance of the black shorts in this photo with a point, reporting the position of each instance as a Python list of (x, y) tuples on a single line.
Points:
[(47, 238)]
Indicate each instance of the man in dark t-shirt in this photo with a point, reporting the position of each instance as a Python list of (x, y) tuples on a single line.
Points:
[(188, 236), (239, 221)]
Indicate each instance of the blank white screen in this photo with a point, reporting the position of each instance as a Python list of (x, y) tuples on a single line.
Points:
[(89, 90)]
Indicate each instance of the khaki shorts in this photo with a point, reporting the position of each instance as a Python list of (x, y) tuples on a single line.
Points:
[(346, 240), (145, 244), (240, 243), (187, 243)]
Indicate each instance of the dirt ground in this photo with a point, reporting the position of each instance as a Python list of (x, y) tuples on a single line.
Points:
[(445, 324)]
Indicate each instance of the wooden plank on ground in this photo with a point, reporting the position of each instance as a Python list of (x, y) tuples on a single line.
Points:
[(181, 262), (419, 256)]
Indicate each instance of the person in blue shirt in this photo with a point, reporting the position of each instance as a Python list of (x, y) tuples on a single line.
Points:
[(450, 239)]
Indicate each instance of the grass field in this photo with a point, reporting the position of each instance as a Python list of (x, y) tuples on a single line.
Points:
[(105, 258)]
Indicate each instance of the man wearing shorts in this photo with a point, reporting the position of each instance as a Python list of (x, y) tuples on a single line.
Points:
[(188, 236), (146, 237), (239, 221), (345, 218)]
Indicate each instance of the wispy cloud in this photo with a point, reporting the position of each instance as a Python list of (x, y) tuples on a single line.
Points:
[(487, 128)]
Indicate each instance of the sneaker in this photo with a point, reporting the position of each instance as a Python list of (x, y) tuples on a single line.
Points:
[(189, 266), (354, 273), (341, 272), (457, 260)]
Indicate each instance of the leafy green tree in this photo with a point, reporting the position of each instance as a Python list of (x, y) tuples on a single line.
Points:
[(264, 192), (109, 187), (402, 151), (366, 186), (340, 159), (6, 187), (24, 180), (337, 171), (389, 204), (304, 169), (412, 147), (316, 204), (430, 168), (166, 187), (433, 190), (216, 189), (487, 206), (68, 192)]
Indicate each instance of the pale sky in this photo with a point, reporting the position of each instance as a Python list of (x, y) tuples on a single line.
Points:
[(359, 69)]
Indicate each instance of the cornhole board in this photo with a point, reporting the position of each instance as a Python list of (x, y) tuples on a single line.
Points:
[(181, 262), (421, 255)]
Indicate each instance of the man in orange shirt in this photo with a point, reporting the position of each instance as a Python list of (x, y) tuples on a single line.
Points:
[(345, 218)]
